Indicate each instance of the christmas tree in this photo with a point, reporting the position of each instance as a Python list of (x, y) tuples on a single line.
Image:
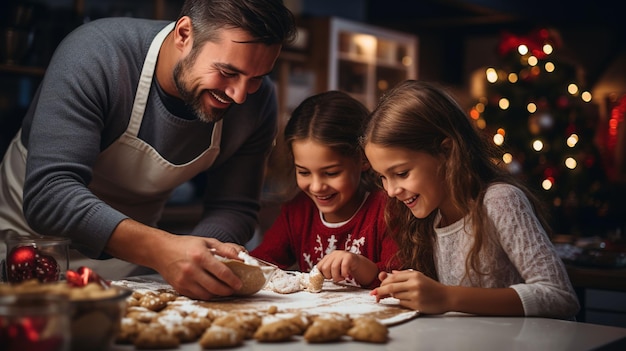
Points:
[(536, 108)]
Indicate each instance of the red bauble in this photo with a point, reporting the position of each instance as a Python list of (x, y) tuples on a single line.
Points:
[(21, 263), (29, 334), (47, 269), (83, 276), (26, 262)]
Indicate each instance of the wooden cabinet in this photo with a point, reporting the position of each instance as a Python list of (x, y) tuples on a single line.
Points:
[(360, 59)]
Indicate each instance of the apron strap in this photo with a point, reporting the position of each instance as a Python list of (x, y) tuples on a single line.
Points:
[(147, 72)]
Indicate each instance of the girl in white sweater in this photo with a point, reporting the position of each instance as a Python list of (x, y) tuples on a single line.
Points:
[(472, 238)]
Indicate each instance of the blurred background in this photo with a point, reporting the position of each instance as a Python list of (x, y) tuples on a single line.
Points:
[(544, 79)]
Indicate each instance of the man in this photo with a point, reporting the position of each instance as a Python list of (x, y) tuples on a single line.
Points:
[(131, 108)]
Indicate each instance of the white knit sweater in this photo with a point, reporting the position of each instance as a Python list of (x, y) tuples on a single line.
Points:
[(518, 254)]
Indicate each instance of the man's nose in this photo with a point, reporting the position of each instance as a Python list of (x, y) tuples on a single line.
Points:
[(238, 92)]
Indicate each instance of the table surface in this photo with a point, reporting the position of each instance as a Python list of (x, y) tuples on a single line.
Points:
[(464, 332), (457, 331)]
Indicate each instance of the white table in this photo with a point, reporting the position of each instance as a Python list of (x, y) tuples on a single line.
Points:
[(458, 331), (463, 332)]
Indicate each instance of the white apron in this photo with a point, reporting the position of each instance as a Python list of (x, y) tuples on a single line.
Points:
[(130, 175)]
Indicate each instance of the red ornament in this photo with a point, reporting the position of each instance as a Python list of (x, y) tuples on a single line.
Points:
[(28, 334), (26, 262), (47, 269), (21, 263), (535, 40), (562, 102), (83, 276)]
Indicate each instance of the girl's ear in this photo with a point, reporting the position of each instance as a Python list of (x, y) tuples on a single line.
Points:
[(365, 164), (446, 145)]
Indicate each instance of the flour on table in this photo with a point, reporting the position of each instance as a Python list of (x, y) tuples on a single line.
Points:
[(333, 298)]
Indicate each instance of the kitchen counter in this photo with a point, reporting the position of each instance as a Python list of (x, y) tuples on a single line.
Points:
[(597, 278), (464, 332)]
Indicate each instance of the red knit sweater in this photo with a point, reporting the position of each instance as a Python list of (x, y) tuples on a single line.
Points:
[(298, 236)]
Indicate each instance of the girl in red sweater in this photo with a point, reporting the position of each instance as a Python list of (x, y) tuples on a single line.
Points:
[(336, 221)]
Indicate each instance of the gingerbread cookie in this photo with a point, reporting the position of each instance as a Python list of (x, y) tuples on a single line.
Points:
[(154, 336), (327, 328), (217, 337), (368, 329)]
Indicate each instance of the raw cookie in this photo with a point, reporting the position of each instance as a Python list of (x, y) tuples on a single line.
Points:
[(217, 337), (155, 336), (368, 329), (327, 328), (252, 277), (316, 280)]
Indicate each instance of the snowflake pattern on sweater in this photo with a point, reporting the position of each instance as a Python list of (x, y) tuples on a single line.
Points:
[(299, 238)]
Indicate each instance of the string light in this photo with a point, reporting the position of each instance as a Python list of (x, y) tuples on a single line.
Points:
[(522, 49), (507, 158), (570, 163), (474, 114), (492, 75), (547, 183), (498, 139), (547, 49), (504, 103), (480, 107), (572, 140)]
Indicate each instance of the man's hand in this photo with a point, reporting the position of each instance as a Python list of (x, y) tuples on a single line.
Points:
[(186, 262), (195, 272)]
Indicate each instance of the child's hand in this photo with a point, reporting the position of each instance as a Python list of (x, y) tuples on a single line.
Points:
[(413, 289), (338, 265)]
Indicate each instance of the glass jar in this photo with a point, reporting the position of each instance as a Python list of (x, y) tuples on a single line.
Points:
[(35, 322), (45, 258)]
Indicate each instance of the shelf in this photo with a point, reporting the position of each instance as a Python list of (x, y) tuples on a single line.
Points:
[(24, 70), (360, 59)]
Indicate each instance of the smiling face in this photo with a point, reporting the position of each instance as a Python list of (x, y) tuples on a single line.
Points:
[(330, 179), (219, 73), (412, 177)]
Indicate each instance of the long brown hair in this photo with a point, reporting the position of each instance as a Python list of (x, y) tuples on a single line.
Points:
[(423, 116)]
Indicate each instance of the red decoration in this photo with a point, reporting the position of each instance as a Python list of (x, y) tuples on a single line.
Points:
[(46, 269), (613, 141), (534, 41), (562, 102), (617, 116), (21, 263), (83, 276), (28, 334), (27, 262)]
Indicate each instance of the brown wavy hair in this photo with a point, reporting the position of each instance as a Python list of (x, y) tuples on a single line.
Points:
[(420, 116)]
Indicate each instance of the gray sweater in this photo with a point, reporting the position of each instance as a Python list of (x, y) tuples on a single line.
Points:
[(84, 103)]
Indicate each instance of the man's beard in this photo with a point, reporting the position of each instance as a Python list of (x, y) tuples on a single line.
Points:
[(192, 97)]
